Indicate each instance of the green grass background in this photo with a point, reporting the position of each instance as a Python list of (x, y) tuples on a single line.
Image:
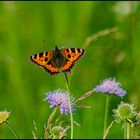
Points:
[(27, 28)]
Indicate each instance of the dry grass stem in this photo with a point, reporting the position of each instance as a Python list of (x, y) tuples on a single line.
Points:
[(87, 94), (97, 35), (107, 130)]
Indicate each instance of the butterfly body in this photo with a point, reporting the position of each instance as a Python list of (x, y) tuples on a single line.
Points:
[(58, 60)]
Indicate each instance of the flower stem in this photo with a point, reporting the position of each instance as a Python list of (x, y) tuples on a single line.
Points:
[(106, 113), (12, 129), (71, 116), (126, 130)]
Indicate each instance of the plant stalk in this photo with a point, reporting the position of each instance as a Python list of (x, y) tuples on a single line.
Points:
[(70, 107), (106, 113), (12, 129), (126, 130)]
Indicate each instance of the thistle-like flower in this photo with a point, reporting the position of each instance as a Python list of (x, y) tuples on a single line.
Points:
[(4, 115), (110, 86), (59, 98)]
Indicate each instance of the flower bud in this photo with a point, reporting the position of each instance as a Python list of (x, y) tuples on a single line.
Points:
[(124, 112), (4, 115)]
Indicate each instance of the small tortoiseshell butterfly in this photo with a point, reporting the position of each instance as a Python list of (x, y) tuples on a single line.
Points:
[(58, 60)]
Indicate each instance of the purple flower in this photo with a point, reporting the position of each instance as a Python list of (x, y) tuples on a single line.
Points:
[(110, 86), (59, 98)]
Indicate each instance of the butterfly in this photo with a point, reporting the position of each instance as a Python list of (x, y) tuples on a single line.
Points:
[(58, 60)]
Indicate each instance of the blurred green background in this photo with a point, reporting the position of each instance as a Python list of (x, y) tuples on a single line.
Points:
[(27, 28)]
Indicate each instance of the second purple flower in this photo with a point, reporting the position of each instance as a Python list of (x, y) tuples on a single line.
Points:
[(110, 86)]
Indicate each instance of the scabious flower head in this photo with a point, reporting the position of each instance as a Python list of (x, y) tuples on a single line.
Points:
[(124, 111), (59, 98), (110, 86), (4, 115)]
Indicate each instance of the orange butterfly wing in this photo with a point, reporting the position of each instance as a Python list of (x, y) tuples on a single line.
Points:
[(43, 59), (72, 55)]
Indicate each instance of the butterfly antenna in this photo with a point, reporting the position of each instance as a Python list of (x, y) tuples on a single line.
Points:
[(44, 41)]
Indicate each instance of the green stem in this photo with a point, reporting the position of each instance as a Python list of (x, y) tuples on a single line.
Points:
[(12, 129), (69, 100), (126, 130), (106, 113)]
